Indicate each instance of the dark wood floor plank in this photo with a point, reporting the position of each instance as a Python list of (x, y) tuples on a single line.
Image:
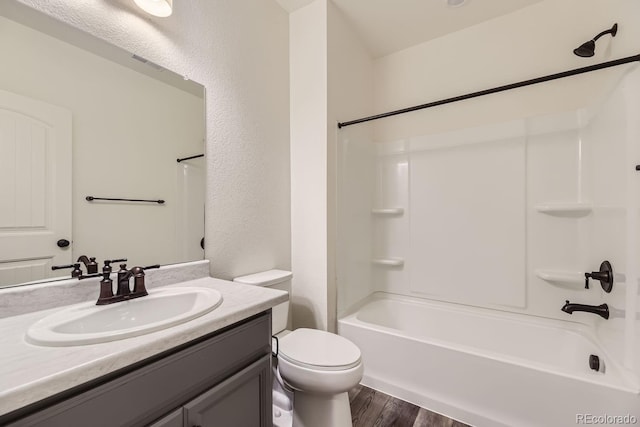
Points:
[(354, 392), (397, 413), (367, 407), (371, 408), (427, 418)]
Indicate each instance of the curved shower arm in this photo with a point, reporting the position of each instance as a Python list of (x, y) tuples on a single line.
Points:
[(613, 31)]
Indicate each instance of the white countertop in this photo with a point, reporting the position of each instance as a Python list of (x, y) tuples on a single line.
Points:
[(29, 373)]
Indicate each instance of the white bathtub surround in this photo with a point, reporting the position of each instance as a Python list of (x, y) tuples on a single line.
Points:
[(504, 219), (30, 373), (456, 223), (484, 367), (25, 299)]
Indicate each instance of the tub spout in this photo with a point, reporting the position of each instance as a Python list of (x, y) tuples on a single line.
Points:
[(601, 310)]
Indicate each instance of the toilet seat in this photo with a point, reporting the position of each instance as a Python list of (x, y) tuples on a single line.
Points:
[(319, 350)]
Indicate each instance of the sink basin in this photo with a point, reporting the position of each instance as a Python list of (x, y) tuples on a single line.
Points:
[(87, 323)]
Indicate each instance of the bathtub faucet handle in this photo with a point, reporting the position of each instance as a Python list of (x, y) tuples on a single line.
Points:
[(604, 276)]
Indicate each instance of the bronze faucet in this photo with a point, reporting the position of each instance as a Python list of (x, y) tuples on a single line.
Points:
[(601, 310), (123, 292)]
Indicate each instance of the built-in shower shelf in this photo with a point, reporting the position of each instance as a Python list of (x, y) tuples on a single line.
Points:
[(388, 262), (563, 279), (576, 210), (387, 211)]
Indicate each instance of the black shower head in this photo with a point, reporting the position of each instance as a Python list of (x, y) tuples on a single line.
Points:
[(588, 49)]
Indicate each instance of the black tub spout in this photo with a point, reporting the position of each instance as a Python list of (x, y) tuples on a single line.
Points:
[(601, 310)]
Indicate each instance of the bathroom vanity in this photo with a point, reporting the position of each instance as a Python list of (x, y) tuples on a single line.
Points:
[(212, 370)]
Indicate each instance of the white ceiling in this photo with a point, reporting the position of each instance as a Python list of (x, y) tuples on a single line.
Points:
[(386, 26)]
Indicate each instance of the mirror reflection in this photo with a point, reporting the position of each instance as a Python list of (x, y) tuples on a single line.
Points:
[(81, 119)]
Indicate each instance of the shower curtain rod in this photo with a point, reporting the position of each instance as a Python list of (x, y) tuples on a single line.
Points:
[(547, 78)]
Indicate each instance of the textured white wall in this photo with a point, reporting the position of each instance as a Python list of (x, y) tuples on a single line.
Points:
[(308, 47), (239, 50), (331, 80)]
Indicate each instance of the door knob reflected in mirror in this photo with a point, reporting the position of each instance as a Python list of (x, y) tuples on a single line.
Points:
[(63, 243)]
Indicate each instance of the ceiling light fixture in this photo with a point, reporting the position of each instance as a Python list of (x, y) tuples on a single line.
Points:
[(161, 8)]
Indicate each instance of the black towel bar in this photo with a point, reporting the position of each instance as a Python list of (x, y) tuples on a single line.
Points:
[(189, 158), (91, 199)]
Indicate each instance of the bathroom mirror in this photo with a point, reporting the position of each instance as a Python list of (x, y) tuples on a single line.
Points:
[(82, 119)]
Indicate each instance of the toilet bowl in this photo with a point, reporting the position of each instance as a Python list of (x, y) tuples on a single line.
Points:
[(317, 367), (321, 368)]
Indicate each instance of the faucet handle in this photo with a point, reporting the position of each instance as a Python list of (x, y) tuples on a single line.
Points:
[(123, 280), (138, 281), (76, 272), (604, 276), (107, 264)]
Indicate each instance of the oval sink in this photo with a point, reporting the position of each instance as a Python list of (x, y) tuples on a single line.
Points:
[(87, 323)]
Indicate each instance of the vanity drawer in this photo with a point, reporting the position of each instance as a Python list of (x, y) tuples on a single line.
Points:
[(151, 391)]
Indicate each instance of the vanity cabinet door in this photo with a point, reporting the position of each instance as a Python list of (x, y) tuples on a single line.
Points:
[(174, 419), (243, 400)]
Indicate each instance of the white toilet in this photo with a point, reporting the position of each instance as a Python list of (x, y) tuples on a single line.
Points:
[(318, 366)]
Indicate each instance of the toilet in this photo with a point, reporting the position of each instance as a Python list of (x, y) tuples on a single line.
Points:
[(315, 368)]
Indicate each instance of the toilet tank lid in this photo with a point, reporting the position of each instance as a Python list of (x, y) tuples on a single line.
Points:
[(265, 278)]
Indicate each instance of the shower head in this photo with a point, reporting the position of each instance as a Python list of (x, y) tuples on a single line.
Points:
[(588, 49)]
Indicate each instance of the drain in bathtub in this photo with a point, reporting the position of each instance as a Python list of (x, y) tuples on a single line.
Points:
[(595, 363)]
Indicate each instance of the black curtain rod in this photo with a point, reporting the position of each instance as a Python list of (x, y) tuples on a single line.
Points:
[(555, 76)]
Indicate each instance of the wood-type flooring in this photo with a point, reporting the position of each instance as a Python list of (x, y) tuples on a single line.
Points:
[(371, 408)]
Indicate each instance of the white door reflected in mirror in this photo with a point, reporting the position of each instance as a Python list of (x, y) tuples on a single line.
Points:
[(35, 195)]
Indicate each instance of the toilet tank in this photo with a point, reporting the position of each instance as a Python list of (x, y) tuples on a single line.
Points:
[(275, 279)]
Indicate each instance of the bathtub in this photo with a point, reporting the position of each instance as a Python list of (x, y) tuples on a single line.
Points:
[(486, 367)]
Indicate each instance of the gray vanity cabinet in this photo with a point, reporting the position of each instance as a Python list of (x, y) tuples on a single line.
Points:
[(174, 419), (223, 379), (238, 401)]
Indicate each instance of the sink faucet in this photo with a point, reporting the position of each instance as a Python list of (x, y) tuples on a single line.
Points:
[(123, 292), (601, 310)]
